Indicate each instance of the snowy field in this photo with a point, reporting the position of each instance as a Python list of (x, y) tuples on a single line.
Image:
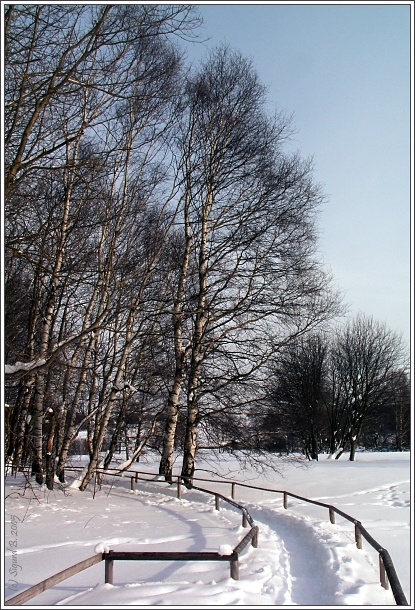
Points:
[(302, 559)]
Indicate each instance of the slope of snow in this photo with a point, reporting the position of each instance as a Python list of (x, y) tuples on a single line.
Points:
[(302, 558)]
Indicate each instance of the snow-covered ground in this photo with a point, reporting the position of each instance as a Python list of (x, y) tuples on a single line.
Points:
[(302, 559)]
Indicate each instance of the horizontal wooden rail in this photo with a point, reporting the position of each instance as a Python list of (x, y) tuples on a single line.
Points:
[(112, 556), (251, 536), (23, 597), (166, 556), (246, 517)]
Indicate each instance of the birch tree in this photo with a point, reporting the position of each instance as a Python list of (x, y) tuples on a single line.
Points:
[(248, 213), (79, 79)]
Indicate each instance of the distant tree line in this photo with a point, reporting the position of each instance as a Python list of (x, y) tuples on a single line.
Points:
[(335, 393), (160, 245)]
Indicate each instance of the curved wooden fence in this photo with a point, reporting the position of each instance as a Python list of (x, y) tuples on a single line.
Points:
[(387, 572), (111, 556)]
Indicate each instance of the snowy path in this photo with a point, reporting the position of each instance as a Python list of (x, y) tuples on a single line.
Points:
[(303, 562)]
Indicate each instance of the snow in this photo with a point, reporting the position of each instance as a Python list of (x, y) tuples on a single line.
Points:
[(102, 547), (302, 559), (10, 369), (225, 549)]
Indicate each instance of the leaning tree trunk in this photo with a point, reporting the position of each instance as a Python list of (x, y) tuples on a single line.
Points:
[(48, 320), (99, 439), (116, 435), (103, 424), (68, 415), (65, 434)]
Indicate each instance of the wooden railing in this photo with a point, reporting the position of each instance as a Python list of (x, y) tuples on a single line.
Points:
[(233, 558), (111, 556), (387, 572)]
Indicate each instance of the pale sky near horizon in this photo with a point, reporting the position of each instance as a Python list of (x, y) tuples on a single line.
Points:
[(343, 71)]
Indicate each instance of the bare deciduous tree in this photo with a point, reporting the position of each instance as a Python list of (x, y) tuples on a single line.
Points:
[(88, 98), (248, 215), (366, 353), (300, 391)]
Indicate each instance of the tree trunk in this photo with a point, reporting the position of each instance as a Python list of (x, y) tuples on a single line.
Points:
[(37, 431), (21, 429), (189, 453), (65, 432), (98, 440), (48, 321), (353, 444), (115, 437), (50, 454), (190, 442), (314, 447), (166, 462), (103, 423)]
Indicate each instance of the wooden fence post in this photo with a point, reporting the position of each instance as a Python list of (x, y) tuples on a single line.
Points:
[(357, 536), (244, 519), (331, 514), (383, 576), (132, 484), (179, 491), (234, 564), (136, 476), (109, 570), (233, 491), (285, 500), (255, 538), (217, 507)]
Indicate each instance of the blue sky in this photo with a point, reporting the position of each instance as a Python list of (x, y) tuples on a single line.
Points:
[(343, 71)]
